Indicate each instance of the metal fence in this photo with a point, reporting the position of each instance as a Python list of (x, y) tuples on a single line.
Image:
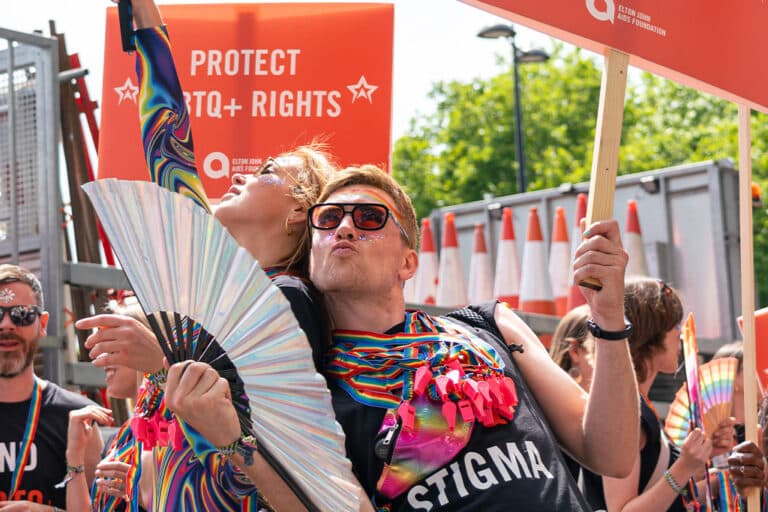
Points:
[(30, 201)]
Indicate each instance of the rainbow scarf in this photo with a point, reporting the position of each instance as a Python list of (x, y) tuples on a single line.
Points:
[(30, 429), (124, 448), (434, 357), (436, 379)]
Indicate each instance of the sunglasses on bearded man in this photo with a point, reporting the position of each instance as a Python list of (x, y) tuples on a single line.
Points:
[(21, 316)]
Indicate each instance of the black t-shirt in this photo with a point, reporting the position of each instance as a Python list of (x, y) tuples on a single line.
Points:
[(46, 465), (517, 466), (308, 310)]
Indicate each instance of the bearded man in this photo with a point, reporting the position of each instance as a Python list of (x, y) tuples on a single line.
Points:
[(34, 412)]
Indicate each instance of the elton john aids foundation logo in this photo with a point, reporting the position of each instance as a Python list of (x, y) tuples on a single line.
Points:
[(606, 15)]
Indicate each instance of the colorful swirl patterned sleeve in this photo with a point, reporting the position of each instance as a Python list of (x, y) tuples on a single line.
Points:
[(187, 481), (165, 129), (198, 477)]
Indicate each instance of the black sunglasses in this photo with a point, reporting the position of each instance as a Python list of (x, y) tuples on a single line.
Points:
[(365, 216), (21, 316)]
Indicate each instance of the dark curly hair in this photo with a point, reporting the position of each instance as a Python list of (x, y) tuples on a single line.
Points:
[(654, 308)]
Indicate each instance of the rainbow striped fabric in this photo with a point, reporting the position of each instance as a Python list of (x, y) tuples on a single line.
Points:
[(124, 448)]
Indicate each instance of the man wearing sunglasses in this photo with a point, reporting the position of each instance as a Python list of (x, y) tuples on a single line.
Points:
[(450, 413), (34, 412)]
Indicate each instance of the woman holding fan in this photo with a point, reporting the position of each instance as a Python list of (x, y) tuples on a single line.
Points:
[(660, 477), (266, 214)]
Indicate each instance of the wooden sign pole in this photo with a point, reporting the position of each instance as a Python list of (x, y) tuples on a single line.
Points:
[(605, 157), (747, 287)]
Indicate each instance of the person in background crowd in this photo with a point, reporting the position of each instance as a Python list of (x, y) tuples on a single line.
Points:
[(120, 481), (34, 412), (660, 477), (572, 348), (266, 213), (735, 349)]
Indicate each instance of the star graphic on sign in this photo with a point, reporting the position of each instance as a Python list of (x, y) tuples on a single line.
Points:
[(127, 91), (362, 89)]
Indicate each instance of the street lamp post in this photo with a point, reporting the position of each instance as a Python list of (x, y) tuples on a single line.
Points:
[(518, 57)]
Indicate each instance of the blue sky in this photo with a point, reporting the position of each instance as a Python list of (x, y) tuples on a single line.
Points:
[(434, 40)]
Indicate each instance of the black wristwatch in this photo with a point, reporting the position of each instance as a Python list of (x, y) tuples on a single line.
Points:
[(597, 332)]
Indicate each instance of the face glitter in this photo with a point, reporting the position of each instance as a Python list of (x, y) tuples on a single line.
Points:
[(373, 236), (7, 295), (271, 179)]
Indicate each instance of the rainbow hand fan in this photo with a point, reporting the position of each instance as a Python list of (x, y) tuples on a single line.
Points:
[(716, 380), (207, 299)]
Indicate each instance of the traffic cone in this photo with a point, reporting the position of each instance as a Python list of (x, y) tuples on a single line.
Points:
[(451, 286), (506, 286), (575, 297), (638, 265), (480, 280), (560, 262), (426, 275), (535, 288)]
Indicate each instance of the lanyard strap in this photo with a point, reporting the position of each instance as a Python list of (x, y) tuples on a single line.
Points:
[(30, 429)]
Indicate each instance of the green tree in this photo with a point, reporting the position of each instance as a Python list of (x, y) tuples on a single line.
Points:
[(466, 149)]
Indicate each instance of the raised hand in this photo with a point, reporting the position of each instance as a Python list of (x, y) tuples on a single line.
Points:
[(122, 340), (81, 431), (601, 256), (724, 438), (696, 451)]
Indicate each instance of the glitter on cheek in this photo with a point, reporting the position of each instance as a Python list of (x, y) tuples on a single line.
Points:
[(271, 179), (370, 237)]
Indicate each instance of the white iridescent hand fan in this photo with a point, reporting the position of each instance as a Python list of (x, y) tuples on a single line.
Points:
[(208, 300)]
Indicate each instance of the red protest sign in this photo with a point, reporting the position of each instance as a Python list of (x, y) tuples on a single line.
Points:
[(260, 79), (710, 45)]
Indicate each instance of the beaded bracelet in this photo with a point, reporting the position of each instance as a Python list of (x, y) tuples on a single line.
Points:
[(72, 471), (230, 449), (245, 446), (674, 485), (159, 377)]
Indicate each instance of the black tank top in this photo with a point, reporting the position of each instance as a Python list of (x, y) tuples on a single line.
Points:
[(649, 455), (517, 466)]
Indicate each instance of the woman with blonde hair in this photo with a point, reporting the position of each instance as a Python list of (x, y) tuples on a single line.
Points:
[(573, 348), (266, 212)]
